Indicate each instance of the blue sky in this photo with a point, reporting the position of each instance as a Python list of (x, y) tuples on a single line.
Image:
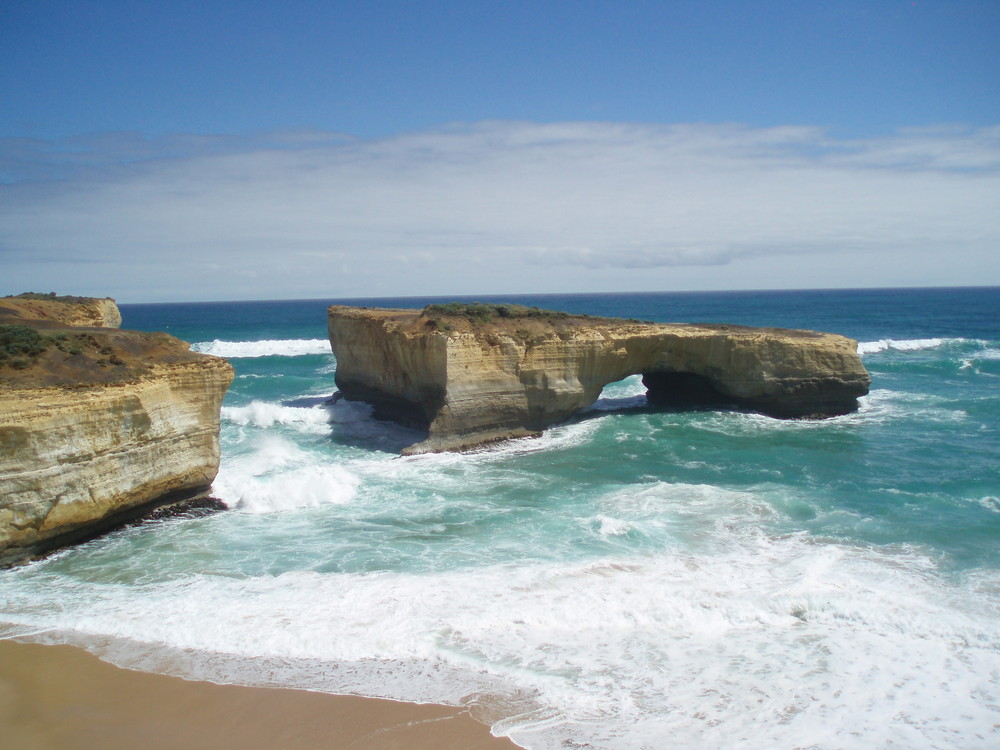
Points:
[(224, 150)]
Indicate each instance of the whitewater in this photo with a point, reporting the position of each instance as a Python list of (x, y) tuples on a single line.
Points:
[(631, 578)]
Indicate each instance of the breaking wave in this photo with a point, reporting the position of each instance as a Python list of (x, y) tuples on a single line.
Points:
[(263, 348), (912, 345)]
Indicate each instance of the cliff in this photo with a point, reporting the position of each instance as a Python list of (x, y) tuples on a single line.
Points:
[(69, 311), (472, 376), (97, 425)]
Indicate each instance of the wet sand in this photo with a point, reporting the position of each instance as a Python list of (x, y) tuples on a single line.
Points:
[(63, 698)]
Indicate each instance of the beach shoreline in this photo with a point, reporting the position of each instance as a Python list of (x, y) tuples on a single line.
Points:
[(60, 697)]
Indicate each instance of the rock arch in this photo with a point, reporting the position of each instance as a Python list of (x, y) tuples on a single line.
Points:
[(469, 383)]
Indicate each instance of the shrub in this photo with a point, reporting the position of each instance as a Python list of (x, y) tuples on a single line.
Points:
[(439, 325), (20, 345), (34, 295)]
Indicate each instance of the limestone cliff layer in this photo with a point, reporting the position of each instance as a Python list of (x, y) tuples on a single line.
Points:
[(469, 382), (98, 426)]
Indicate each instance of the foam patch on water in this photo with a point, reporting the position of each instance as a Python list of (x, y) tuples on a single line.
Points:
[(773, 642), (273, 473), (263, 348), (990, 503), (262, 414), (905, 345), (984, 348), (553, 439), (986, 356), (607, 526), (300, 487), (880, 406)]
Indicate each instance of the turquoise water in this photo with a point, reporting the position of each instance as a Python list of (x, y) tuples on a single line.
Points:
[(715, 579)]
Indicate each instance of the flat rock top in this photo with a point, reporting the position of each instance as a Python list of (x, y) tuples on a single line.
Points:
[(68, 310), (533, 323)]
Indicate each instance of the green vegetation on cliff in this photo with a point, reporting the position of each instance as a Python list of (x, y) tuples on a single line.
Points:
[(479, 312), (21, 346), (49, 297)]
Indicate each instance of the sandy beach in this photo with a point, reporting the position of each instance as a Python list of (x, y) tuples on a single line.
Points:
[(64, 698)]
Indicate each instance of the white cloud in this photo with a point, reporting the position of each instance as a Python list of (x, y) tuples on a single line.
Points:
[(498, 207)]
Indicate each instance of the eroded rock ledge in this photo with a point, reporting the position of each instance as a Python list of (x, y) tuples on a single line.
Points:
[(468, 381), (97, 425)]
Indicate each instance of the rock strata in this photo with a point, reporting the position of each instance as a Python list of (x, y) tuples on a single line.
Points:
[(98, 425), (468, 380)]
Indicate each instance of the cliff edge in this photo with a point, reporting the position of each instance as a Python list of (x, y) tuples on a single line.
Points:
[(473, 374), (97, 425)]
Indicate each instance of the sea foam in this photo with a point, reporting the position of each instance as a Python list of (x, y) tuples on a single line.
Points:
[(912, 345), (309, 486), (263, 348), (263, 414), (758, 643)]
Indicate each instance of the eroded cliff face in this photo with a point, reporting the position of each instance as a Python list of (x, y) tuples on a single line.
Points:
[(98, 426), (468, 383)]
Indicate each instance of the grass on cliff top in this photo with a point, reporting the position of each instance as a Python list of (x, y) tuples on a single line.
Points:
[(49, 297), (478, 312)]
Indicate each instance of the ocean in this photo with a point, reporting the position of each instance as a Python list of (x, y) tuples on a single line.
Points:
[(633, 579)]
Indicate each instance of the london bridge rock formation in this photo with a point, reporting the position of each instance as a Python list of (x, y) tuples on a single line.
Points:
[(97, 425), (474, 374)]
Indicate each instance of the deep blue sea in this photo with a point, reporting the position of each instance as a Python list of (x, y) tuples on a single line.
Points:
[(631, 580)]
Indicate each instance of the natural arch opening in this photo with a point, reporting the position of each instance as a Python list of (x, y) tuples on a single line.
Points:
[(683, 390), (627, 393)]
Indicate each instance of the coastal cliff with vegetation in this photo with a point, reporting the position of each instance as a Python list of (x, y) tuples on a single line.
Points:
[(471, 374), (97, 425)]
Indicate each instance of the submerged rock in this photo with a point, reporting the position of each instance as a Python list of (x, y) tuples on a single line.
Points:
[(477, 374), (97, 425)]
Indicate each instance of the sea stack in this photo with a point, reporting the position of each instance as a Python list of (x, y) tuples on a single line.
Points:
[(97, 425), (471, 374)]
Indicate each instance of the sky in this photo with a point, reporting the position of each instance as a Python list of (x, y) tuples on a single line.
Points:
[(180, 151)]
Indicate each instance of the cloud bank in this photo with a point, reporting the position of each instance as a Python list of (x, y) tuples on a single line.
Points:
[(498, 207)]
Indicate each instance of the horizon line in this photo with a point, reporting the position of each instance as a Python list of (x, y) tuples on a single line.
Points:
[(565, 294)]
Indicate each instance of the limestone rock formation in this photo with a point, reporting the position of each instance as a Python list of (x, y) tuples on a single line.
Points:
[(468, 381), (70, 311), (97, 426)]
